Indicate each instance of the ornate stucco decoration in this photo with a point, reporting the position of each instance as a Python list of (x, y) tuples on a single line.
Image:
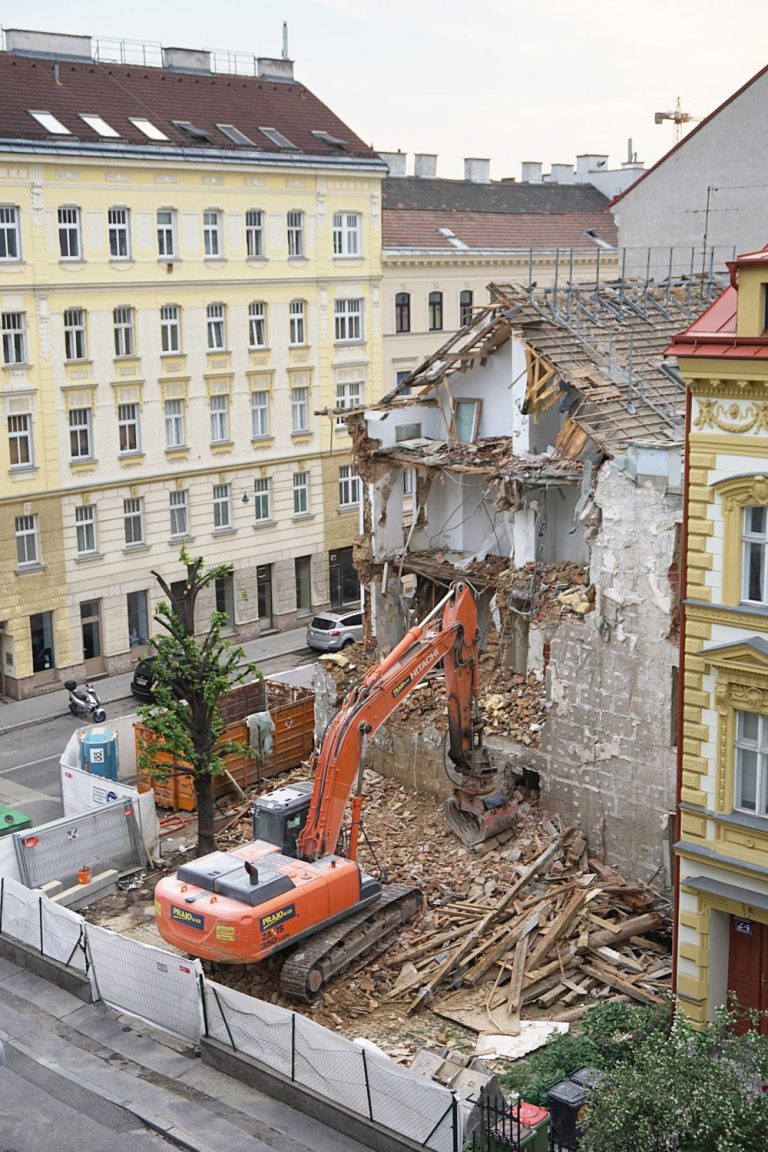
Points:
[(734, 417)]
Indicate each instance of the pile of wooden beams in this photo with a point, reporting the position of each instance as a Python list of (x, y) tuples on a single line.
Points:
[(565, 931)]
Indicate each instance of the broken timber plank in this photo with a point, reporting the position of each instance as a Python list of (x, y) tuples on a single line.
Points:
[(561, 924), (458, 954), (614, 981), (515, 993)]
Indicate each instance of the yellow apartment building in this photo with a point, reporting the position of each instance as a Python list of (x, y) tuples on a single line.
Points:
[(189, 269), (722, 850)]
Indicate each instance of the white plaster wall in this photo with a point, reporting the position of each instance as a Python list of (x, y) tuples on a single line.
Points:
[(728, 154)]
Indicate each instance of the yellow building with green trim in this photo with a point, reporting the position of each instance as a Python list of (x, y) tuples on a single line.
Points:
[(189, 270), (722, 849)]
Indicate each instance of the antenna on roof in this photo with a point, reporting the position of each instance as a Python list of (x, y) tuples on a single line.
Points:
[(285, 40)]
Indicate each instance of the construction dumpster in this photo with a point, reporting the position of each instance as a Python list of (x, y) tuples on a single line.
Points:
[(293, 714)]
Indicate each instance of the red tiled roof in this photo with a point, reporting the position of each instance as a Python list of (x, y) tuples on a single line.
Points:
[(713, 335), (403, 228), (115, 92), (687, 137)]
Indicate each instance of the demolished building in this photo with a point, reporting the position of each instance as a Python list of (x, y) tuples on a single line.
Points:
[(537, 454)]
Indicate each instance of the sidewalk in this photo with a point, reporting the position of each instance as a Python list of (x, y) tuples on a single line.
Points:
[(158, 1080), (38, 709)]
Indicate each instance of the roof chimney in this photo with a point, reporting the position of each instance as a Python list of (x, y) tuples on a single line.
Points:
[(186, 60), (590, 162), (58, 44), (425, 165), (561, 173), (531, 172), (395, 161), (275, 68), (477, 171)]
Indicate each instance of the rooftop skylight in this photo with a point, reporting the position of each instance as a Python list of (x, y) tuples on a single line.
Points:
[(147, 127), (99, 126), (50, 123), (235, 135), (199, 135), (326, 138), (276, 137)]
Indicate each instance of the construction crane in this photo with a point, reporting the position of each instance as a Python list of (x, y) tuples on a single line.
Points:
[(678, 118)]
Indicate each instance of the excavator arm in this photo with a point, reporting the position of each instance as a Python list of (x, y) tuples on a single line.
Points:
[(451, 638)]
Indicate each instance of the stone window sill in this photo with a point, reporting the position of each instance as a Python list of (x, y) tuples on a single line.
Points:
[(139, 547), (263, 524), (88, 557), (26, 569), (303, 516), (22, 470), (262, 441), (224, 531)]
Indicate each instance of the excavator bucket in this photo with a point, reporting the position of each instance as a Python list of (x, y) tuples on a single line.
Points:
[(476, 818)]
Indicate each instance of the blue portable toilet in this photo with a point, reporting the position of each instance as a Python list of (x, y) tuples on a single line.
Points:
[(98, 753)]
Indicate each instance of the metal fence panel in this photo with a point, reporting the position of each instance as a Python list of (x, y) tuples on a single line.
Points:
[(105, 838), (330, 1065), (160, 987), (412, 1105), (20, 912), (261, 1030), (62, 934)]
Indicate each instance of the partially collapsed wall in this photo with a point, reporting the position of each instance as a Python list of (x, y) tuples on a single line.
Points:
[(607, 753)]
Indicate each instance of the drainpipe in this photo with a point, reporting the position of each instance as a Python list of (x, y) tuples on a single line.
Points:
[(681, 687)]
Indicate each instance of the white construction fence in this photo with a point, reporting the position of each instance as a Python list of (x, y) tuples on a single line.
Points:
[(171, 992)]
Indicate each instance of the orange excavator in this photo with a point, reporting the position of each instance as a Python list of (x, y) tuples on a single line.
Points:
[(298, 884)]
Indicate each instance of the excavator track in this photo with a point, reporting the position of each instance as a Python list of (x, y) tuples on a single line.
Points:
[(307, 970)]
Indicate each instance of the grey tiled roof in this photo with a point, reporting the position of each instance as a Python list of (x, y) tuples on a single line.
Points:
[(423, 194)]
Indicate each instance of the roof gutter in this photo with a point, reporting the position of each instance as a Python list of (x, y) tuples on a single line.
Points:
[(175, 154)]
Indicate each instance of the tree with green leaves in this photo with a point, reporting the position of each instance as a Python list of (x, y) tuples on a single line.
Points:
[(690, 1090), (185, 724)]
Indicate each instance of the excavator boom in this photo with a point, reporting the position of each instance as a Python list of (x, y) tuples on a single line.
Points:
[(452, 639)]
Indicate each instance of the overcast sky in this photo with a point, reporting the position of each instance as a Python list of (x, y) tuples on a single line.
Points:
[(511, 80)]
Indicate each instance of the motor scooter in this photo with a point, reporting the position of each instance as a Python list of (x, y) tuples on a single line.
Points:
[(83, 700)]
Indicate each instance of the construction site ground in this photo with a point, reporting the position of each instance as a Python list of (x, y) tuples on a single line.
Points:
[(405, 834)]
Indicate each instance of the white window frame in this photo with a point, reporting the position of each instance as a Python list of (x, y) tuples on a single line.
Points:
[(70, 233), (474, 407), (10, 233), (300, 409), (297, 323), (133, 522), (14, 332), (219, 413), (257, 324), (295, 233), (754, 543), (170, 329), (254, 233), (83, 430), (128, 429), (262, 499), (174, 423), (119, 233), (178, 506), (212, 234), (348, 320), (347, 234), (349, 487), (85, 529), (75, 336), (20, 441), (222, 507), (123, 321), (216, 327), (301, 493), (260, 413), (166, 233), (349, 394), (758, 749), (27, 532)]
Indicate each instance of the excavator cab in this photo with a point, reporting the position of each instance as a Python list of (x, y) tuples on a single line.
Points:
[(280, 816)]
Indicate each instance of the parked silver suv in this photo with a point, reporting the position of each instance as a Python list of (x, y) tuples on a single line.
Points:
[(331, 631)]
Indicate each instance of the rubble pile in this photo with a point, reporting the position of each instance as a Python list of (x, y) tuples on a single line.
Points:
[(525, 924), (544, 592)]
